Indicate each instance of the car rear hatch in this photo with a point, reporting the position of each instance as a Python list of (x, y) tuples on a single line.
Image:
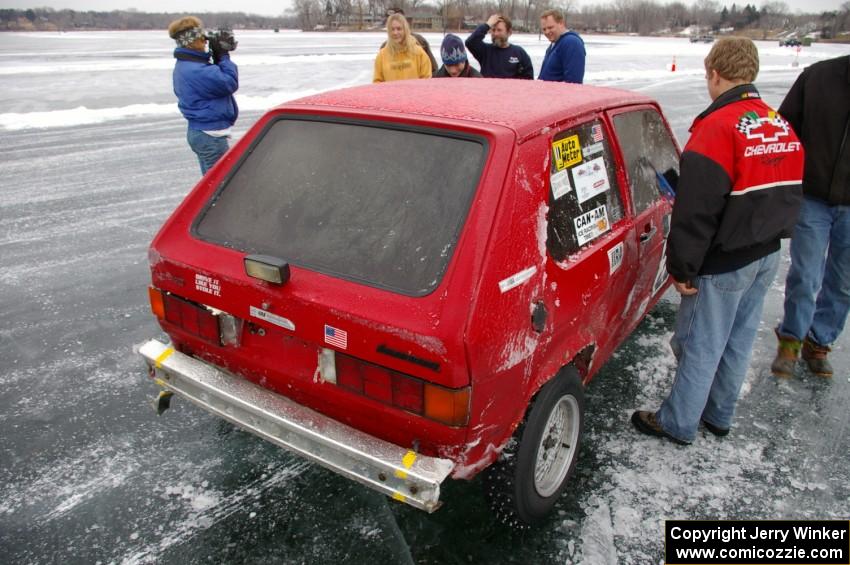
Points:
[(376, 225)]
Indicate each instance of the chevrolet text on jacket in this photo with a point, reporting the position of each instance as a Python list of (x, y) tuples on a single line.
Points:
[(818, 108), (740, 187), (205, 91)]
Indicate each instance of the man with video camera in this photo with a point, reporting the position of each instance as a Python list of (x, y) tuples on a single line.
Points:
[(205, 89)]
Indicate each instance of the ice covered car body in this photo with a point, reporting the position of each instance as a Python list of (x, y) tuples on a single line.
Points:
[(394, 280)]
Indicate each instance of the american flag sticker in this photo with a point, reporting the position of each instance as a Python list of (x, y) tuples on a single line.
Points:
[(596, 133), (336, 337)]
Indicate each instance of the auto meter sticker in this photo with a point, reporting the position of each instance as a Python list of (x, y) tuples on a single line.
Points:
[(272, 318), (207, 284), (591, 178), (591, 225), (517, 279), (567, 152), (615, 258), (560, 182)]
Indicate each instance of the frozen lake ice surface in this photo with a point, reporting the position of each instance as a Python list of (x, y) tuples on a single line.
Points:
[(94, 159)]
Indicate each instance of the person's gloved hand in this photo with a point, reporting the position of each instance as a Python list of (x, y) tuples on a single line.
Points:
[(221, 43), (217, 51)]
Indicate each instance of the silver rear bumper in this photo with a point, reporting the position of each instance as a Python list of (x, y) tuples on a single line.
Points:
[(395, 471)]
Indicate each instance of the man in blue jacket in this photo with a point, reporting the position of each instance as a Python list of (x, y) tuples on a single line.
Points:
[(204, 90), (564, 59), (499, 59)]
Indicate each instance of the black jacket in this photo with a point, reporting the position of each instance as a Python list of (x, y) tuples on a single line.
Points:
[(818, 108)]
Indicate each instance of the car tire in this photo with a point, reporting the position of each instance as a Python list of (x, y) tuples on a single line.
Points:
[(523, 485)]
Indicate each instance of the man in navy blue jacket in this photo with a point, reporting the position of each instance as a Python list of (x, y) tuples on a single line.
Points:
[(204, 90), (564, 59), (499, 59)]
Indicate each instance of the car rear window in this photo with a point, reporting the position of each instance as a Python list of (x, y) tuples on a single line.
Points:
[(378, 204)]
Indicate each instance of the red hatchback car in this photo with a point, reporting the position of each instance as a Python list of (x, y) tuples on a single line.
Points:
[(411, 281)]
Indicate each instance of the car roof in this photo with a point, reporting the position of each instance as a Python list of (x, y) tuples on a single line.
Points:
[(525, 106)]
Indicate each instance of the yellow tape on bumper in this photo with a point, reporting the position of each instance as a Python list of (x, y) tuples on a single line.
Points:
[(408, 460), (162, 357)]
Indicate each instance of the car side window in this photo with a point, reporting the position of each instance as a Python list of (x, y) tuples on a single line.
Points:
[(650, 156), (584, 195)]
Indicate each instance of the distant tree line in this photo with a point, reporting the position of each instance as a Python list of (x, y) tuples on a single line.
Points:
[(644, 17), (48, 19), (619, 16)]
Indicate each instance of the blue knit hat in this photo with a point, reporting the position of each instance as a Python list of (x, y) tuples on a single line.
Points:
[(452, 50)]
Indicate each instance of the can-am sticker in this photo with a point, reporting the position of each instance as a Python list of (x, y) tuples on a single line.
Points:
[(560, 182), (272, 318), (207, 284), (567, 152), (591, 225), (615, 257), (591, 179)]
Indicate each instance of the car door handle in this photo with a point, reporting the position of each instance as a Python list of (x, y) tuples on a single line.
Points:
[(648, 234)]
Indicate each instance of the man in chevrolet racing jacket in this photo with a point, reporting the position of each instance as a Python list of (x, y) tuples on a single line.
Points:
[(738, 195)]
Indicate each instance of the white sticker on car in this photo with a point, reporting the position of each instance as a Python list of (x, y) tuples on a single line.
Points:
[(272, 318), (560, 182), (517, 279), (207, 284), (615, 258), (661, 274), (590, 178), (593, 149), (591, 225)]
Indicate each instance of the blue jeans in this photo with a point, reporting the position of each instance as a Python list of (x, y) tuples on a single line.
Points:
[(208, 148), (713, 339), (817, 290)]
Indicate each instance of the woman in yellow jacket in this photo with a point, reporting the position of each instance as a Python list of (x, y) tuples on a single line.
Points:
[(401, 58)]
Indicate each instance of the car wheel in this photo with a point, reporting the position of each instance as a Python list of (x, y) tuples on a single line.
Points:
[(533, 469)]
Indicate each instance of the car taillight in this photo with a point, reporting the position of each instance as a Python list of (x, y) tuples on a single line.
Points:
[(193, 318), (157, 303), (445, 405)]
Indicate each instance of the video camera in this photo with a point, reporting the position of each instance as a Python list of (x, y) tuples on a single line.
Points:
[(221, 40)]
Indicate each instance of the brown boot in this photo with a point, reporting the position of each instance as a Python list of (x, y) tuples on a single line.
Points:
[(786, 356), (815, 357)]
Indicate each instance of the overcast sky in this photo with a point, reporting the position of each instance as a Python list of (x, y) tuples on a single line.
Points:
[(272, 8)]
